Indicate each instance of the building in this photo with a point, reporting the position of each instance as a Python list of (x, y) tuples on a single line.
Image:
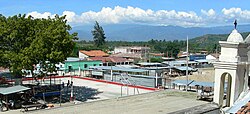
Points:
[(92, 53), (76, 66), (156, 55), (232, 74), (108, 61), (133, 52)]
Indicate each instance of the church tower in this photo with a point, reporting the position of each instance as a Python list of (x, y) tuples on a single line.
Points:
[(231, 70)]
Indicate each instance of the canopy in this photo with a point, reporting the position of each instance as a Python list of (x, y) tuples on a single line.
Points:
[(13, 89)]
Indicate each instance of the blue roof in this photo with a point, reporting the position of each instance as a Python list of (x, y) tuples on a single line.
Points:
[(184, 82), (117, 68)]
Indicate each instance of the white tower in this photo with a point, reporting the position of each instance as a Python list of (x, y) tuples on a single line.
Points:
[(233, 64)]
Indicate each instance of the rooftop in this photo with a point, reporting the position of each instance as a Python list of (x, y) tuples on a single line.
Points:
[(94, 53), (13, 89), (110, 59), (117, 68), (161, 102), (235, 37)]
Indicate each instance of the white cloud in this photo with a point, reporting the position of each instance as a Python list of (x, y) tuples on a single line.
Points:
[(45, 15), (236, 13), (137, 15), (209, 13), (130, 14), (70, 16)]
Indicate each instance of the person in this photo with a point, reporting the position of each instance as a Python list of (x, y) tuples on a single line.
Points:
[(11, 103), (71, 83), (6, 105), (68, 84), (62, 84)]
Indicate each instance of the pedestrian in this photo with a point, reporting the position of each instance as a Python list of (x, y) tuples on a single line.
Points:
[(62, 84), (71, 83), (11, 103), (68, 84)]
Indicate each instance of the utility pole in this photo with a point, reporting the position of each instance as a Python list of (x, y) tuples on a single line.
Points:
[(187, 65)]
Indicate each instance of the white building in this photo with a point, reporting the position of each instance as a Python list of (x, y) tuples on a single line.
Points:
[(133, 49), (233, 69), (131, 52)]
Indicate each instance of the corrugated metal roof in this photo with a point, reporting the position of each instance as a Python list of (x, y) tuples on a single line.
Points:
[(13, 89), (182, 68), (149, 64), (117, 68), (72, 59), (184, 82), (202, 61), (175, 63)]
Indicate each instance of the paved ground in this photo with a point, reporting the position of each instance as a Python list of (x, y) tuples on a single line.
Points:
[(108, 90), (110, 102), (161, 102), (105, 90)]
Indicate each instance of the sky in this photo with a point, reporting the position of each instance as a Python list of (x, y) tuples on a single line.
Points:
[(186, 13)]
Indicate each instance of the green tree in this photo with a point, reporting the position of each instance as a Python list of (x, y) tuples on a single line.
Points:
[(25, 42), (98, 35)]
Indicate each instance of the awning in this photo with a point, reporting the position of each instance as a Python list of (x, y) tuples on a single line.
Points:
[(13, 89)]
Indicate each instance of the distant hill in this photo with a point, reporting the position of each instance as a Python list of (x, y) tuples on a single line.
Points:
[(211, 39), (134, 32)]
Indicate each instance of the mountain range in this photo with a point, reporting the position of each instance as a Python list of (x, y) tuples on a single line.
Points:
[(135, 32)]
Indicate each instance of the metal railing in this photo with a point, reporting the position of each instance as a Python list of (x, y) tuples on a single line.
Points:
[(126, 80)]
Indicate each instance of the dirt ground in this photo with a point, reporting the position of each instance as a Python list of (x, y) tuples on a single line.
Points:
[(202, 75)]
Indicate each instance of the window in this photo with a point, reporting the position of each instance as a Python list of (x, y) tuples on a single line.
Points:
[(85, 65), (94, 64)]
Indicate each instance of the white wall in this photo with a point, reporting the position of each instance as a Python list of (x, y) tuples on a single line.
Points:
[(120, 50), (82, 56)]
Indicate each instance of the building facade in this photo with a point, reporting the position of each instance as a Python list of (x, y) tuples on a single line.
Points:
[(132, 53), (80, 67)]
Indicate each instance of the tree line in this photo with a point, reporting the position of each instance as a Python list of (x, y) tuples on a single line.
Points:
[(169, 48)]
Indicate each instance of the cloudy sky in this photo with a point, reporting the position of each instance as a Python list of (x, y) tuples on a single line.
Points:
[(185, 13)]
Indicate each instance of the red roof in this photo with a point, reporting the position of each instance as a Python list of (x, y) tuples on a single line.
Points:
[(110, 59), (94, 53)]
